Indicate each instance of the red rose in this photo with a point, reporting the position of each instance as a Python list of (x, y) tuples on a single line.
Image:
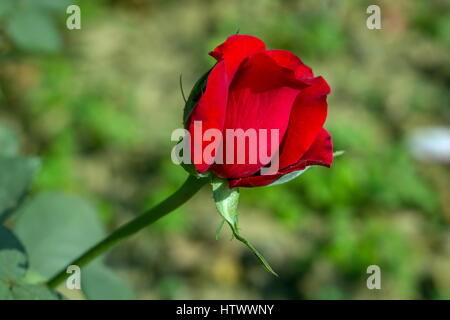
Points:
[(251, 87)]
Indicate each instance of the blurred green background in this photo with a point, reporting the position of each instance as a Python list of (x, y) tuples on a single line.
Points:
[(98, 105)]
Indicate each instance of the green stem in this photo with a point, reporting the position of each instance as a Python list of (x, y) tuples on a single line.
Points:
[(183, 194)]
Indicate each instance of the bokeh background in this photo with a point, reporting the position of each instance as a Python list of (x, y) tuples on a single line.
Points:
[(98, 106)]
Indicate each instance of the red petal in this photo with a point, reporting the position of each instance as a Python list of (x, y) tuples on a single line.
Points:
[(306, 120), (235, 49), (210, 110), (320, 153), (290, 61), (253, 181), (261, 96)]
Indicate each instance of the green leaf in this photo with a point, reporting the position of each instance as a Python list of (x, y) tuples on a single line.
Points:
[(219, 229), (33, 30), (5, 292), (9, 145), (288, 177), (33, 292), (16, 174), (6, 7), (27, 292), (101, 283), (227, 200), (195, 94), (192, 100), (13, 267), (13, 258), (338, 153), (292, 175), (55, 229), (59, 6)]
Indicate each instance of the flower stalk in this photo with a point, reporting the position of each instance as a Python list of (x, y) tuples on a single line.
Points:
[(190, 187)]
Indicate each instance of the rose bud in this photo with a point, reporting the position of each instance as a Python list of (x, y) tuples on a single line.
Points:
[(269, 91)]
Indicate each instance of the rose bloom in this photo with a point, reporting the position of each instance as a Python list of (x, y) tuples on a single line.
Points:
[(254, 88)]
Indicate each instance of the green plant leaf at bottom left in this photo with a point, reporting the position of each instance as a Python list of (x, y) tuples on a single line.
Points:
[(13, 267)]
